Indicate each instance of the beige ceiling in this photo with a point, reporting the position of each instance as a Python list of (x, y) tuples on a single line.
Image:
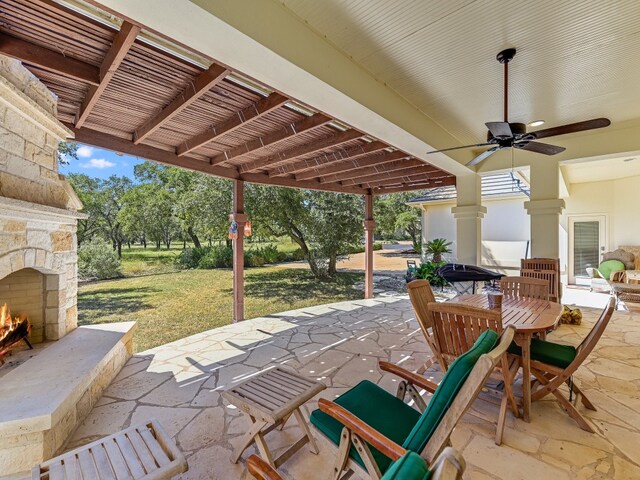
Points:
[(576, 59), (602, 169)]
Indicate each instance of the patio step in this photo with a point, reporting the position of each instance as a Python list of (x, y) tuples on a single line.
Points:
[(44, 399)]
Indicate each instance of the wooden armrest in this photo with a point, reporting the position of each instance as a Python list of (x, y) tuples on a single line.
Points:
[(617, 277), (261, 469), (387, 447), (414, 378)]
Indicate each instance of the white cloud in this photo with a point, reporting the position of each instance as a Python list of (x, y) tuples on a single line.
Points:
[(98, 163), (85, 151)]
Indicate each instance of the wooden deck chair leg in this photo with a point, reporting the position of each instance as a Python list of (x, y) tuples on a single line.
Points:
[(583, 398), (566, 404), (508, 398), (367, 457), (248, 439), (342, 455)]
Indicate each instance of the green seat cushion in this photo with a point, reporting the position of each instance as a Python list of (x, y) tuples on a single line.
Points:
[(608, 267), (376, 407), (410, 466), (447, 390), (548, 352)]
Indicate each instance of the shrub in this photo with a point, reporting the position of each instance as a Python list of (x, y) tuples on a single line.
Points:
[(190, 257), (98, 260), (427, 271), (218, 256)]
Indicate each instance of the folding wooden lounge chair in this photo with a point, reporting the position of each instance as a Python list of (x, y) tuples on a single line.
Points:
[(553, 365), (449, 466), (372, 428), (525, 287), (421, 296), (456, 327)]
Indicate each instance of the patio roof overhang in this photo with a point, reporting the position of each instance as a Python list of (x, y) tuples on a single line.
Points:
[(127, 89)]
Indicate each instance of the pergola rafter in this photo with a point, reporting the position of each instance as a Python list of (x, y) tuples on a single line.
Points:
[(358, 167), (121, 44), (241, 118), (309, 168), (427, 172), (194, 90), (274, 138), (400, 163)]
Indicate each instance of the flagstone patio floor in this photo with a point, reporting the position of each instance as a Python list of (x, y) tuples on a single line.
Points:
[(180, 385)]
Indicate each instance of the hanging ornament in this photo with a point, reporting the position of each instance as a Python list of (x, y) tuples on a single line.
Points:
[(233, 231), (247, 229)]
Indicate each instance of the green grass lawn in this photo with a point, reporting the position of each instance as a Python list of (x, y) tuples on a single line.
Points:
[(174, 305), (137, 261)]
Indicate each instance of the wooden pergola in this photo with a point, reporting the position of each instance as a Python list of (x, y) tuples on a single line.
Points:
[(125, 88)]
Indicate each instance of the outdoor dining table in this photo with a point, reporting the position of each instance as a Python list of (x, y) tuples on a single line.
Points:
[(529, 316)]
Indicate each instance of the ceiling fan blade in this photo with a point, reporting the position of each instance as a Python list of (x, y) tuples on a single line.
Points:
[(499, 129), (458, 148), (482, 156), (571, 128), (538, 147)]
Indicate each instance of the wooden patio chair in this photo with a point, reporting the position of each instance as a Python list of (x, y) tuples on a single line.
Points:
[(525, 287), (456, 327), (545, 269), (554, 365), (372, 428), (450, 465), (421, 295)]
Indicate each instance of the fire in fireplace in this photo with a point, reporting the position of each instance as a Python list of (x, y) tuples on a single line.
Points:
[(12, 330)]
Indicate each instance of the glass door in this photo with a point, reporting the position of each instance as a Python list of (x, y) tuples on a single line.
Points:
[(587, 243)]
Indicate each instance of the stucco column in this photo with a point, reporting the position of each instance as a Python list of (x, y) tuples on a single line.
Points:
[(238, 251), (544, 209), (468, 214), (369, 229)]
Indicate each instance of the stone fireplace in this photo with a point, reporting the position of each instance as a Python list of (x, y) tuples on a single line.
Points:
[(45, 398), (38, 208)]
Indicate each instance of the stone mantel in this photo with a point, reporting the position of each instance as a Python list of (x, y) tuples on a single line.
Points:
[(12, 208)]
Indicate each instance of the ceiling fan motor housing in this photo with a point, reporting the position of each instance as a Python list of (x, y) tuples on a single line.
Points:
[(518, 130)]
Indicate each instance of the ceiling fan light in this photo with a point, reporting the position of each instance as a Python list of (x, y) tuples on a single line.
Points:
[(536, 123)]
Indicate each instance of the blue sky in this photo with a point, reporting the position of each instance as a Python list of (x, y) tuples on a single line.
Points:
[(99, 163)]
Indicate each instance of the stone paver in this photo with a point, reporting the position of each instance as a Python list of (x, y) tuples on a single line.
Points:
[(340, 344)]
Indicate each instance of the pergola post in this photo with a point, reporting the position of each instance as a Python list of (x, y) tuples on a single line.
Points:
[(369, 229), (238, 251)]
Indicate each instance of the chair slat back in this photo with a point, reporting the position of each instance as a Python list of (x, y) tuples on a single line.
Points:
[(456, 327), (545, 269), (421, 296), (525, 287), (466, 396)]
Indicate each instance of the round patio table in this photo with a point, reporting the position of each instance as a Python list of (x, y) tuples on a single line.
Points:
[(530, 316)]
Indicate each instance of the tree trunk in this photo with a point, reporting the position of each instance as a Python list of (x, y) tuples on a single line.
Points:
[(120, 248), (333, 260), (157, 244), (184, 244), (194, 237), (144, 241)]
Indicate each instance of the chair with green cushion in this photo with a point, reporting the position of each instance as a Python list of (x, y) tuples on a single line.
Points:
[(553, 365), (372, 428), (448, 466)]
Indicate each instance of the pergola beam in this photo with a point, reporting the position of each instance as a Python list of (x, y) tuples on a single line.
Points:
[(405, 187), (312, 165), (202, 84), (49, 60), (300, 150), (273, 138), (122, 42), (239, 119), (406, 178), (349, 169), (398, 164), (117, 144), (398, 173)]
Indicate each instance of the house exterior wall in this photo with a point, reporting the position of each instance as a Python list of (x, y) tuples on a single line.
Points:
[(506, 226)]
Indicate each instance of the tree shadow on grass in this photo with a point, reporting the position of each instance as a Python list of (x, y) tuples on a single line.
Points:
[(93, 306), (294, 285)]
